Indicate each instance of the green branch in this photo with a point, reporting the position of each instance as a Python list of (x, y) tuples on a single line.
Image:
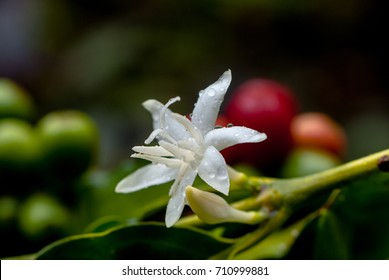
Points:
[(294, 191)]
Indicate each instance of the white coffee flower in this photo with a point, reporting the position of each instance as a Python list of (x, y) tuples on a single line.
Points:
[(187, 148)]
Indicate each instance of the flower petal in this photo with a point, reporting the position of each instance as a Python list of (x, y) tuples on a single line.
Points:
[(176, 130), (213, 170), (149, 175), (177, 201), (222, 138), (208, 105)]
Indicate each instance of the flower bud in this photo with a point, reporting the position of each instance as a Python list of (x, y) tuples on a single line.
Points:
[(236, 176), (213, 209)]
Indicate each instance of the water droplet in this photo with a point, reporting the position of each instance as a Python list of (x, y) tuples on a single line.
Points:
[(201, 92), (211, 92), (230, 125), (222, 177), (212, 175)]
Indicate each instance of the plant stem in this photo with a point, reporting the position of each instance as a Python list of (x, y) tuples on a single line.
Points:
[(191, 220), (293, 191), (275, 193)]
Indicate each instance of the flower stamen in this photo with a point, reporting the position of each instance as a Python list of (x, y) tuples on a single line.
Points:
[(180, 153), (161, 132), (169, 162), (152, 150), (194, 131), (162, 116)]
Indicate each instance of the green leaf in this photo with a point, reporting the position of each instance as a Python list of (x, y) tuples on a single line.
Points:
[(105, 223), (277, 244), (144, 241), (333, 237), (23, 257), (364, 205)]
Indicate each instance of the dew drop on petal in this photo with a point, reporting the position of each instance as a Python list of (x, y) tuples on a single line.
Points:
[(212, 175), (221, 174), (211, 92), (222, 177)]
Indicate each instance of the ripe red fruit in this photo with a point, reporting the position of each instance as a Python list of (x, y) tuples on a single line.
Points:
[(266, 106), (318, 130)]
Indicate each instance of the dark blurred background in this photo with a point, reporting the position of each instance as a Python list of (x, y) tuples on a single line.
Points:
[(106, 57)]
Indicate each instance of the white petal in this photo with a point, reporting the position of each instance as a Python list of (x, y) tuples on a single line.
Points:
[(213, 170), (154, 107), (174, 209), (176, 130), (177, 201), (149, 175), (208, 105), (222, 138)]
